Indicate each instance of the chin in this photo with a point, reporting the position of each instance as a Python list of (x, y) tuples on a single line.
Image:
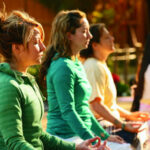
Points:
[(86, 46), (112, 49)]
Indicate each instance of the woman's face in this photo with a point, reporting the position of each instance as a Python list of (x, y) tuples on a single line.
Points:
[(107, 41), (34, 52), (80, 39)]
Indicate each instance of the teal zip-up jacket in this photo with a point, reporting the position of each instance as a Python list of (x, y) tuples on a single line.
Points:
[(21, 111), (68, 92)]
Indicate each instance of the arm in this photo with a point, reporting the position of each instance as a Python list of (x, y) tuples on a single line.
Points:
[(104, 112), (52, 142), (98, 78), (123, 113), (11, 118), (98, 129), (133, 116), (64, 82)]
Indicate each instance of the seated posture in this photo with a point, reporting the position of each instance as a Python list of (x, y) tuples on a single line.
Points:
[(103, 98), (21, 104), (68, 89)]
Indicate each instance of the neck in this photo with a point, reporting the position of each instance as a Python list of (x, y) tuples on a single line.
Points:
[(74, 55), (18, 67), (101, 56)]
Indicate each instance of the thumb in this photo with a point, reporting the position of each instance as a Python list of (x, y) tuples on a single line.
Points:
[(104, 144), (89, 141)]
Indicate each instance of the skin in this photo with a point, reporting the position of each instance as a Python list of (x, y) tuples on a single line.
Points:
[(81, 38), (86, 145), (101, 51), (25, 57)]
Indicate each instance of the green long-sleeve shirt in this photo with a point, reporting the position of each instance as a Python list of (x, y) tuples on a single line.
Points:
[(68, 92), (21, 111)]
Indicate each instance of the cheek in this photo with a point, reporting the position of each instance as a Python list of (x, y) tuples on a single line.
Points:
[(37, 47)]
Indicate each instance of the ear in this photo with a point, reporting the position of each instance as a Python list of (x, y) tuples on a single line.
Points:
[(94, 45), (17, 48), (69, 36)]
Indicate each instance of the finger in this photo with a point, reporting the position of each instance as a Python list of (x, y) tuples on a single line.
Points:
[(120, 140), (136, 125), (143, 118), (144, 115), (104, 143), (107, 148), (89, 141), (141, 129)]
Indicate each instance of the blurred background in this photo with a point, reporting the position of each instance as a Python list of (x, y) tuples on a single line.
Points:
[(127, 20)]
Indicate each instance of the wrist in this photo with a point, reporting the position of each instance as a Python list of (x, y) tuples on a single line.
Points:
[(123, 126), (118, 123), (127, 116), (77, 147)]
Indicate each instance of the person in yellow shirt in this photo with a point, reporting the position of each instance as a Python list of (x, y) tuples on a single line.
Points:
[(103, 98)]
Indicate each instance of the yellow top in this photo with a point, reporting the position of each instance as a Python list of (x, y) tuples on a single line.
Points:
[(102, 83)]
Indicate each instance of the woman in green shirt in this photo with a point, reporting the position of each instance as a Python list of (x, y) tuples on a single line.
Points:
[(21, 106), (68, 89)]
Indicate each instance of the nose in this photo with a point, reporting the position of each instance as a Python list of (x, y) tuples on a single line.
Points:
[(42, 47), (112, 37), (90, 35)]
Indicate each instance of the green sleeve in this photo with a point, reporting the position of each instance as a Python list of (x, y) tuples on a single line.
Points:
[(64, 83), (98, 129), (10, 118), (52, 142)]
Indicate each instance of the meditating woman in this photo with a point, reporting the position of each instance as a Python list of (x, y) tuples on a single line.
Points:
[(68, 89), (103, 98)]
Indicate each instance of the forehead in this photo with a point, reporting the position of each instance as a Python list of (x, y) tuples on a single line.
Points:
[(105, 32), (84, 22), (36, 33)]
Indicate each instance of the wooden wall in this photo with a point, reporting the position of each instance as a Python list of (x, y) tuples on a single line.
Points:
[(35, 9), (45, 17)]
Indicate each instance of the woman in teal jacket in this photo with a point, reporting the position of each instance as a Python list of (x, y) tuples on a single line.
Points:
[(68, 89), (21, 106)]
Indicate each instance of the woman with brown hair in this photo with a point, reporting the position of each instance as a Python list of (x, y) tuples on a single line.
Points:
[(68, 89), (103, 98), (21, 104)]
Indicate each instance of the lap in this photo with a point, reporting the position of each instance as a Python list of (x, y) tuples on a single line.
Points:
[(111, 145), (117, 146)]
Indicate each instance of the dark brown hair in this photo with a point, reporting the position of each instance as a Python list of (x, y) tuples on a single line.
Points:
[(96, 31)]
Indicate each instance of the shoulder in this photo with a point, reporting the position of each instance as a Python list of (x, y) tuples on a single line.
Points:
[(90, 61), (8, 85), (61, 67), (64, 63), (94, 65)]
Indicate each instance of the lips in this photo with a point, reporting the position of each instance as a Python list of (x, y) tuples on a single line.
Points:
[(87, 42)]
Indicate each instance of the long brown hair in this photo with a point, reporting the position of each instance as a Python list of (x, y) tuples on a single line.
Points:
[(64, 22)]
